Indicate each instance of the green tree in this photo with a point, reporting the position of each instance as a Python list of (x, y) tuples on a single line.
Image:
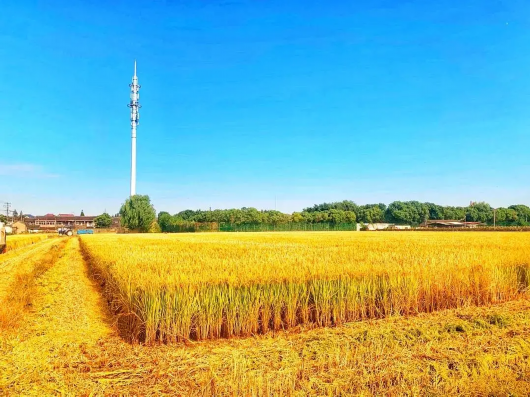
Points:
[(276, 217), (511, 215), (164, 221), (435, 211), (350, 217), (523, 213), (236, 216), (337, 216), (345, 205), (297, 217), (82, 213), (453, 213), (501, 215), (137, 213), (408, 212), (321, 216), (251, 215), (372, 213), (308, 216), (479, 212), (103, 220), (187, 215)]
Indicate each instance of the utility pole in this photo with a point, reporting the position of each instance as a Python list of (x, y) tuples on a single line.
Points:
[(6, 206)]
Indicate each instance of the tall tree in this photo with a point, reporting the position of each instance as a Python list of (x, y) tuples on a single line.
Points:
[(137, 213), (82, 213)]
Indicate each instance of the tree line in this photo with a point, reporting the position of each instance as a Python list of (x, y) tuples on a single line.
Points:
[(137, 213), (412, 213)]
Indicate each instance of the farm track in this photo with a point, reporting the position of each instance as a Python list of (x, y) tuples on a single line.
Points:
[(68, 346)]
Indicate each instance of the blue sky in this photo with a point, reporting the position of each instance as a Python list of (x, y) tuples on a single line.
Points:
[(264, 103)]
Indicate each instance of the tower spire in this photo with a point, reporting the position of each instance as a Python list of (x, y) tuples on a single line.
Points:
[(135, 106)]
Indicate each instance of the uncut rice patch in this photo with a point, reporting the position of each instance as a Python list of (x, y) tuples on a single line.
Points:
[(178, 287)]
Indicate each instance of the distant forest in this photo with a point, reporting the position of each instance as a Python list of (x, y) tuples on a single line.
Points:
[(399, 212)]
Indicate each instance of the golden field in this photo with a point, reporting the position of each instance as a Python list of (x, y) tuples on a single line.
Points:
[(58, 336), (22, 240), (18, 270), (183, 287)]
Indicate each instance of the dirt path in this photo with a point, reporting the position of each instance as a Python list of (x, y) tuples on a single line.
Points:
[(67, 317)]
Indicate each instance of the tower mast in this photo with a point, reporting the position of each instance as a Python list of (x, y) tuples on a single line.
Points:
[(135, 106)]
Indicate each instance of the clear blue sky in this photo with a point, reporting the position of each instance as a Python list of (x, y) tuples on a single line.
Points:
[(248, 101)]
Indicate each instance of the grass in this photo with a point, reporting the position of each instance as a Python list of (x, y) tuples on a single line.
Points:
[(192, 287)]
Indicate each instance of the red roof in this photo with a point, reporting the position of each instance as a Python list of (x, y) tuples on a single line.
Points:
[(62, 217), (49, 217)]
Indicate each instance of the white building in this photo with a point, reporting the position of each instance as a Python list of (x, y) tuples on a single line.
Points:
[(382, 226)]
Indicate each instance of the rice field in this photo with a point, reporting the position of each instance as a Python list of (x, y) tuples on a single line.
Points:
[(65, 339), (172, 288), (22, 240)]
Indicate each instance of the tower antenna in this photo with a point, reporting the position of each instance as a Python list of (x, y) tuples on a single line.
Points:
[(135, 106)]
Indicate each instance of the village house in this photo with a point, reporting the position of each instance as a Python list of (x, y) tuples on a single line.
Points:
[(53, 222), (19, 227)]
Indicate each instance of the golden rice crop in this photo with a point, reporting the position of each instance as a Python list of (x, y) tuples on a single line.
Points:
[(176, 287), (21, 240)]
